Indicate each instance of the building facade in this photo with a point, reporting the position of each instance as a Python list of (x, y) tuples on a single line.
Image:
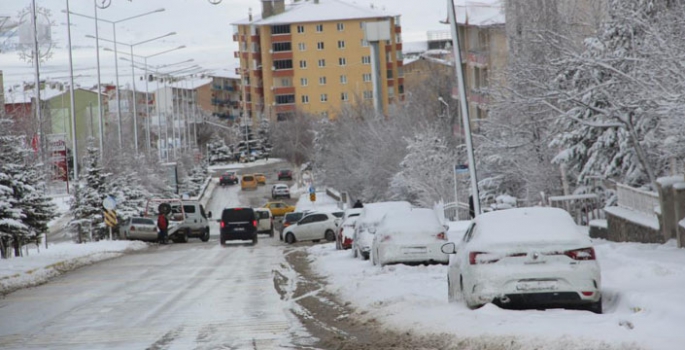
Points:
[(312, 57), (226, 95)]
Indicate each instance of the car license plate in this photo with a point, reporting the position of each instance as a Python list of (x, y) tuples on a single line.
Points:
[(414, 250), (239, 229), (531, 286)]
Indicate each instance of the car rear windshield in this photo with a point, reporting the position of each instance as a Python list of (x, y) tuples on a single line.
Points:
[(285, 171), (189, 209), (262, 214), (338, 214), (143, 221), (248, 178), (238, 214), (293, 217)]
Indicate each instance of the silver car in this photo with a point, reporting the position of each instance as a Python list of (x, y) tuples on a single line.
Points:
[(138, 228)]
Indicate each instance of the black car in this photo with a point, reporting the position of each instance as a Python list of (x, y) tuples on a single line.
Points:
[(285, 174), (238, 224), (228, 178)]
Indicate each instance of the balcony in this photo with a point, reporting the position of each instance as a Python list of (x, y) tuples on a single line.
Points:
[(398, 29), (227, 88), (216, 87), (282, 55), (281, 38), (283, 90), (285, 108), (479, 96), (477, 58), (284, 73)]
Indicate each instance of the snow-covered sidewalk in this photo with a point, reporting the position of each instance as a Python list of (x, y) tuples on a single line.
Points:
[(642, 292)]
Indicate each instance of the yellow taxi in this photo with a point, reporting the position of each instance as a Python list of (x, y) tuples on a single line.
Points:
[(248, 182), (279, 208), (261, 179)]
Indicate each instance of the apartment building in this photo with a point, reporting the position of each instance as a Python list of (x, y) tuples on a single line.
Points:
[(311, 57), (226, 95)]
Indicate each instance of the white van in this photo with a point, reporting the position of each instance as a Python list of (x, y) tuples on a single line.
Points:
[(265, 221)]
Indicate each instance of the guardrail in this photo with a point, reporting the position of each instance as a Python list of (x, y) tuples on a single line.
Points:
[(636, 199)]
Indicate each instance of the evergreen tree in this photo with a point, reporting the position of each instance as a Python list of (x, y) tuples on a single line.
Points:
[(37, 207), (86, 204)]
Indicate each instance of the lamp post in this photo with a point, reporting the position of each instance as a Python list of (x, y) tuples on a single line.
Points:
[(116, 59), (71, 100), (133, 79)]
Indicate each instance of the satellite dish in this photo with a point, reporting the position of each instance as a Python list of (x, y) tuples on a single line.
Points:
[(103, 4)]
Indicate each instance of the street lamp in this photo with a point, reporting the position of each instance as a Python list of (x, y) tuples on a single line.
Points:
[(116, 64), (133, 77)]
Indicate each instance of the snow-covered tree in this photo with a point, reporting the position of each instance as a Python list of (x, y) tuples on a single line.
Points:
[(217, 151), (86, 203)]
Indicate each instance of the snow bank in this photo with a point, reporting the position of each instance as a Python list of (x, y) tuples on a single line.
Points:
[(637, 217), (322, 203)]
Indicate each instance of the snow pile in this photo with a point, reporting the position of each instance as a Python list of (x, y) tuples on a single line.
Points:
[(322, 203), (642, 289), (39, 265)]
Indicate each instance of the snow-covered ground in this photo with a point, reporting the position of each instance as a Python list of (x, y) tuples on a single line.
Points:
[(642, 292)]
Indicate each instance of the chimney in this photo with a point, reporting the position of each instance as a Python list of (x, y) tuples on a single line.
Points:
[(279, 6), (267, 8)]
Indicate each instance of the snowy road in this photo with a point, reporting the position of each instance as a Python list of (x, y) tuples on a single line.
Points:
[(180, 296)]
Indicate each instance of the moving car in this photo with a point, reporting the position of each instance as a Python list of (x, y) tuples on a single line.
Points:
[(312, 227), (290, 219), (280, 190), (265, 222), (238, 224), (414, 236), (371, 216), (261, 179), (279, 208), (285, 174), (343, 239), (228, 178), (525, 257), (140, 228), (248, 182), (187, 219)]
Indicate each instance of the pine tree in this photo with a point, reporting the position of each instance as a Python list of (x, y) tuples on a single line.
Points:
[(86, 204), (35, 204)]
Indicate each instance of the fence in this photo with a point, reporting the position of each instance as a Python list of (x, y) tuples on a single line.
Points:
[(636, 199)]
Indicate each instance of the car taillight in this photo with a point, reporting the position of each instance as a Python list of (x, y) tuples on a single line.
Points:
[(441, 236), (133, 228), (581, 254), (254, 223), (223, 224), (485, 258)]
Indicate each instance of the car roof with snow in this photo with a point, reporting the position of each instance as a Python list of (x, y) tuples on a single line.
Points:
[(374, 212), (280, 186), (418, 220)]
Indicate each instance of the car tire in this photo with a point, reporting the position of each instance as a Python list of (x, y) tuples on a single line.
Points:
[(450, 292), (271, 233), (330, 235), (365, 256), (205, 237), (290, 238), (596, 307), (316, 240), (373, 258), (355, 252), (255, 239)]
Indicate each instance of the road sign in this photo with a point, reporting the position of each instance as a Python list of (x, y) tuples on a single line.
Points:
[(312, 197), (312, 189), (110, 218), (461, 168), (109, 203)]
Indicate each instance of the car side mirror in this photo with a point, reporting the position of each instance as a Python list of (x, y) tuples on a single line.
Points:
[(449, 248), (209, 214)]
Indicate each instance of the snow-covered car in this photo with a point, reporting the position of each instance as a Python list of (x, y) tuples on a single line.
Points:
[(265, 221), (312, 227), (280, 191), (139, 228), (343, 239), (370, 217), (525, 257), (413, 236)]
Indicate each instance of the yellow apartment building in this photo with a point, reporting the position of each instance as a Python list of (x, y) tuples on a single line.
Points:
[(311, 57)]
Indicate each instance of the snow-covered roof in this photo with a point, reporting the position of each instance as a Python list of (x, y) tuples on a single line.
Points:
[(414, 46), (321, 11), (480, 12), (192, 84), (374, 212), (231, 74), (415, 220), (49, 92)]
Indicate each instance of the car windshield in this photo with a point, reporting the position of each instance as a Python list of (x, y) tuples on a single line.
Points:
[(248, 178), (238, 214)]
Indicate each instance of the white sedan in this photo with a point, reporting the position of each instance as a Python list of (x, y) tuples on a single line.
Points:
[(525, 257), (412, 236), (139, 228), (312, 227)]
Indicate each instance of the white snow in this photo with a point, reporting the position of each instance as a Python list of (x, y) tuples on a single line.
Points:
[(414, 221), (324, 10), (637, 217), (599, 223), (668, 181), (323, 203)]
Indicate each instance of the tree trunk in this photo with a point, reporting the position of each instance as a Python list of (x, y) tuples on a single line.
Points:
[(641, 156)]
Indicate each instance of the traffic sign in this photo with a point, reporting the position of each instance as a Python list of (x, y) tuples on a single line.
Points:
[(110, 218), (461, 168), (312, 197), (109, 203), (312, 189)]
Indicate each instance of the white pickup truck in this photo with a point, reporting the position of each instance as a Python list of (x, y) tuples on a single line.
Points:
[(187, 219)]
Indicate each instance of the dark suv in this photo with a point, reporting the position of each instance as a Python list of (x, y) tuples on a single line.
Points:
[(285, 174), (228, 178), (238, 224)]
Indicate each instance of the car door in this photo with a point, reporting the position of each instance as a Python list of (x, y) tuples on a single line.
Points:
[(318, 226), (302, 228), (458, 260)]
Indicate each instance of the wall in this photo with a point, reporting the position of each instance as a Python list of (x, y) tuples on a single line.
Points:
[(624, 230)]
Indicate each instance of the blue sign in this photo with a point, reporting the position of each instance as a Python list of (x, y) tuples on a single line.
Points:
[(312, 189), (461, 168)]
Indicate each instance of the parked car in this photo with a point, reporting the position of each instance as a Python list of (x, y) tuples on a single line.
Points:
[(139, 228), (350, 212), (238, 224), (279, 191), (279, 208), (290, 219), (261, 178), (265, 221), (285, 174), (525, 257), (343, 240), (248, 182), (414, 236), (228, 178), (312, 227), (370, 217)]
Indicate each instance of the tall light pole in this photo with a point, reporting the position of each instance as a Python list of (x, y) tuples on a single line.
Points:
[(116, 58), (97, 55), (36, 66), (71, 99), (133, 79)]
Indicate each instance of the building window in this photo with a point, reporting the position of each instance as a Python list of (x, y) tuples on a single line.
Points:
[(343, 96), (389, 73), (286, 82), (398, 38), (366, 77), (399, 55), (341, 27), (366, 59), (278, 47), (368, 94), (324, 97), (365, 43), (341, 44), (322, 63), (303, 64), (302, 46), (283, 64), (300, 29), (319, 45), (342, 61), (285, 99), (304, 81), (319, 28), (343, 79), (280, 29), (322, 80), (400, 72), (305, 98), (391, 91)]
